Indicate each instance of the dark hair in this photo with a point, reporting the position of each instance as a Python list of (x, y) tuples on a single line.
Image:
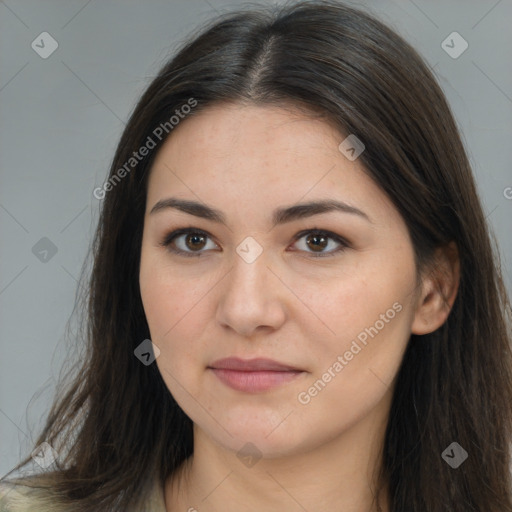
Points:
[(454, 384)]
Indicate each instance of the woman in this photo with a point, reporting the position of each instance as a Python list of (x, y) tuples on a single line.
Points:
[(294, 303)]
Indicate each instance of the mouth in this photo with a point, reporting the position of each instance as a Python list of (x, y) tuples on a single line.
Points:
[(253, 375)]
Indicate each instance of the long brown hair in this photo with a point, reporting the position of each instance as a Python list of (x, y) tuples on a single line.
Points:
[(115, 424)]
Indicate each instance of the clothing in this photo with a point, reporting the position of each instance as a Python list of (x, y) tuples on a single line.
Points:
[(18, 498)]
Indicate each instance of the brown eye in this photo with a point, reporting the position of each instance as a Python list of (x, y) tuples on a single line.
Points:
[(187, 242), (195, 241), (317, 241)]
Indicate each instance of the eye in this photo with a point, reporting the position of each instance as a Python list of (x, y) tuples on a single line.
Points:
[(190, 242), (193, 238), (317, 240)]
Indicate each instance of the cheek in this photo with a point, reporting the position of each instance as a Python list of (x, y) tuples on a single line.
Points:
[(158, 303), (175, 314), (354, 371), (359, 302), (167, 297), (368, 318)]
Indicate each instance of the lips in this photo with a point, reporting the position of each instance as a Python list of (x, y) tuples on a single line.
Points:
[(253, 375), (252, 365)]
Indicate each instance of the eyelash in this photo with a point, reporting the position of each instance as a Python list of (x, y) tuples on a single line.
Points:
[(169, 238)]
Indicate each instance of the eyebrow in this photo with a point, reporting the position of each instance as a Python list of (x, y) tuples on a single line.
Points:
[(279, 216)]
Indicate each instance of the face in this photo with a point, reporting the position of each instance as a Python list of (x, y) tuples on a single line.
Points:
[(326, 295)]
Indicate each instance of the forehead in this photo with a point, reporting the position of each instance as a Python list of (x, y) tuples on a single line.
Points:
[(256, 155), (231, 138), (226, 131)]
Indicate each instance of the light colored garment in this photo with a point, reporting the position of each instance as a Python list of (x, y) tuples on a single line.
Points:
[(25, 499)]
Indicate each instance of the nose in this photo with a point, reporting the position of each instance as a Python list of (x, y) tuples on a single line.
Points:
[(252, 297)]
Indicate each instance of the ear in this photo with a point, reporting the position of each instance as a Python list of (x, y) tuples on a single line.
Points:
[(438, 291)]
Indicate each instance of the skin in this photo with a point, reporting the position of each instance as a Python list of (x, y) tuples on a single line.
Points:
[(286, 305)]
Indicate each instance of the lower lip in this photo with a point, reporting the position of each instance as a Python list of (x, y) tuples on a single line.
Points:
[(254, 382)]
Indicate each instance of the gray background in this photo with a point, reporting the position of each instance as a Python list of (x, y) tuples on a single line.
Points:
[(61, 118)]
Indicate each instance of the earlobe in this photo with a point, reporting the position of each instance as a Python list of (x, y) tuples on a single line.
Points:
[(439, 291)]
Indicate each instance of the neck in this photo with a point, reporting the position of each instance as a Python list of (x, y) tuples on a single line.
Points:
[(341, 474)]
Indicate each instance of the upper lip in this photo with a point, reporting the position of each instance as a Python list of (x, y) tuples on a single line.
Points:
[(252, 365)]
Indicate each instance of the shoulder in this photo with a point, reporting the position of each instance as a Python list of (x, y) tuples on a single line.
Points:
[(22, 498), (16, 497)]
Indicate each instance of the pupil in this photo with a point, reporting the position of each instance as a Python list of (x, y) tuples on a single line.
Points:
[(194, 237), (316, 245)]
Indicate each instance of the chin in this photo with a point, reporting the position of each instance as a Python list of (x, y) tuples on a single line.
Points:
[(260, 437)]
